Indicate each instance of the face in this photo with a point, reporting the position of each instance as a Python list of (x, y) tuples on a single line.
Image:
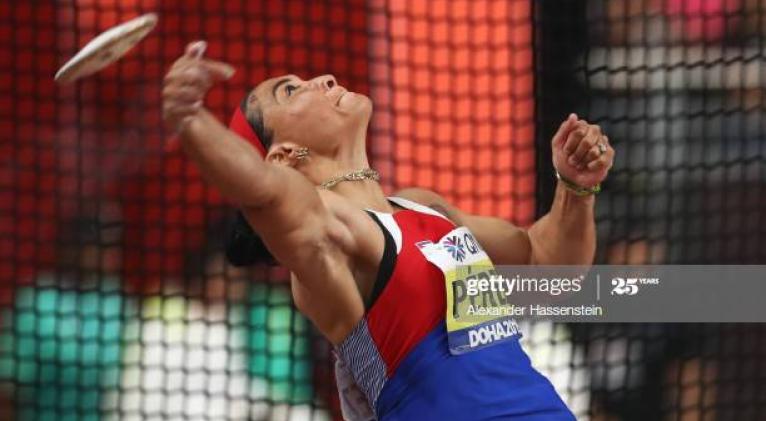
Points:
[(317, 113)]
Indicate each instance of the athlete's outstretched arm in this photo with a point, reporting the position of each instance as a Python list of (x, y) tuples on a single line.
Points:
[(280, 203), (567, 233)]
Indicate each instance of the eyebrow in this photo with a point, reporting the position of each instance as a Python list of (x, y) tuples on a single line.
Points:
[(277, 85)]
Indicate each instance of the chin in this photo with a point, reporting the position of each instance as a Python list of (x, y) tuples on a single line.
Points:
[(356, 108), (362, 106)]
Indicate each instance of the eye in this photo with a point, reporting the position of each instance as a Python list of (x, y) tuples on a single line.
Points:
[(289, 89)]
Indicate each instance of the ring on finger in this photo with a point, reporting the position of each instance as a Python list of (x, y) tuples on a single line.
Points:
[(601, 148)]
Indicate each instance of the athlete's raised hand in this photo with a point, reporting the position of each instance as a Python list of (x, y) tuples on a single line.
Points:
[(187, 82), (581, 153)]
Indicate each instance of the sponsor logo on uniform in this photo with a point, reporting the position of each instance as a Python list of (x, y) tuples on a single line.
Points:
[(455, 247)]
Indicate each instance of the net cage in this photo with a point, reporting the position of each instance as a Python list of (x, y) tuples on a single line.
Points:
[(116, 299)]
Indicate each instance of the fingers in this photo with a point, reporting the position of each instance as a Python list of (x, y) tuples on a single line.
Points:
[(593, 153), (589, 141), (193, 76), (194, 51), (218, 70), (201, 73), (192, 69), (606, 160), (597, 150), (575, 137), (564, 129), (188, 81), (179, 99), (182, 94), (581, 145), (179, 104)]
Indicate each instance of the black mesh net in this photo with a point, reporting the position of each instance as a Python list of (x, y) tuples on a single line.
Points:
[(679, 88), (116, 301)]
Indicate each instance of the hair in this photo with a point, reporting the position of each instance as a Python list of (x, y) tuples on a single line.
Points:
[(254, 116), (244, 247)]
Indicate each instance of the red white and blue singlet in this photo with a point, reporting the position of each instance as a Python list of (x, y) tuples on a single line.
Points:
[(400, 356)]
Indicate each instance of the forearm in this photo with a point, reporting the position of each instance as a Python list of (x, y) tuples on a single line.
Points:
[(227, 162), (566, 234)]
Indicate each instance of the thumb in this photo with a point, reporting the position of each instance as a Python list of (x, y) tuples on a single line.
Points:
[(219, 70), (563, 132)]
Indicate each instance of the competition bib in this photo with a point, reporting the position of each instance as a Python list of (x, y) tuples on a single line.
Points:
[(475, 313)]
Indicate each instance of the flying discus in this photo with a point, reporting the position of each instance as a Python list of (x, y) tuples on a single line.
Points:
[(106, 48)]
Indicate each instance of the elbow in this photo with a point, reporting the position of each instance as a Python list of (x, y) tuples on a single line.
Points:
[(568, 259), (573, 252)]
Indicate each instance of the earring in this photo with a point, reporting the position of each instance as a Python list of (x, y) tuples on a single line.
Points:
[(301, 153)]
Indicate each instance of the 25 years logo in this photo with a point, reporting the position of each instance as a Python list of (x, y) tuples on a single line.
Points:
[(629, 286), (624, 286)]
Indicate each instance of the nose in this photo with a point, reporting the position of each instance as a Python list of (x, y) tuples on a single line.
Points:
[(326, 82)]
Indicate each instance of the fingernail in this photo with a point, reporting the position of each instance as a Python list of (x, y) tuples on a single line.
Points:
[(197, 105), (197, 48), (229, 72), (572, 160), (573, 116)]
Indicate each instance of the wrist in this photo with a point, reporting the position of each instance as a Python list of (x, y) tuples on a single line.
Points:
[(567, 197), (185, 122), (576, 189)]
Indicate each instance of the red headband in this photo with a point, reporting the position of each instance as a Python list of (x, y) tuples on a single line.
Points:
[(242, 127)]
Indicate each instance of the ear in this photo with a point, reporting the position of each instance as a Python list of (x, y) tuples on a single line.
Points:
[(284, 153)]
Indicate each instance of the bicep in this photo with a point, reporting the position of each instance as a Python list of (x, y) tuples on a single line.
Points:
[(505, 243)]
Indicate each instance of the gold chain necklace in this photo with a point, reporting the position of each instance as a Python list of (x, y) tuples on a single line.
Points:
[(358, 175)]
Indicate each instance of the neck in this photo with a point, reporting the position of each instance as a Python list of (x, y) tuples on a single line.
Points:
[(363, 193)]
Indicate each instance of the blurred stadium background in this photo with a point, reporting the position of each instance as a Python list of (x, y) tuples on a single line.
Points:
[(115, 298)]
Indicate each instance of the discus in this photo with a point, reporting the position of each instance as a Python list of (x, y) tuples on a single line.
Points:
[(106, 48)]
